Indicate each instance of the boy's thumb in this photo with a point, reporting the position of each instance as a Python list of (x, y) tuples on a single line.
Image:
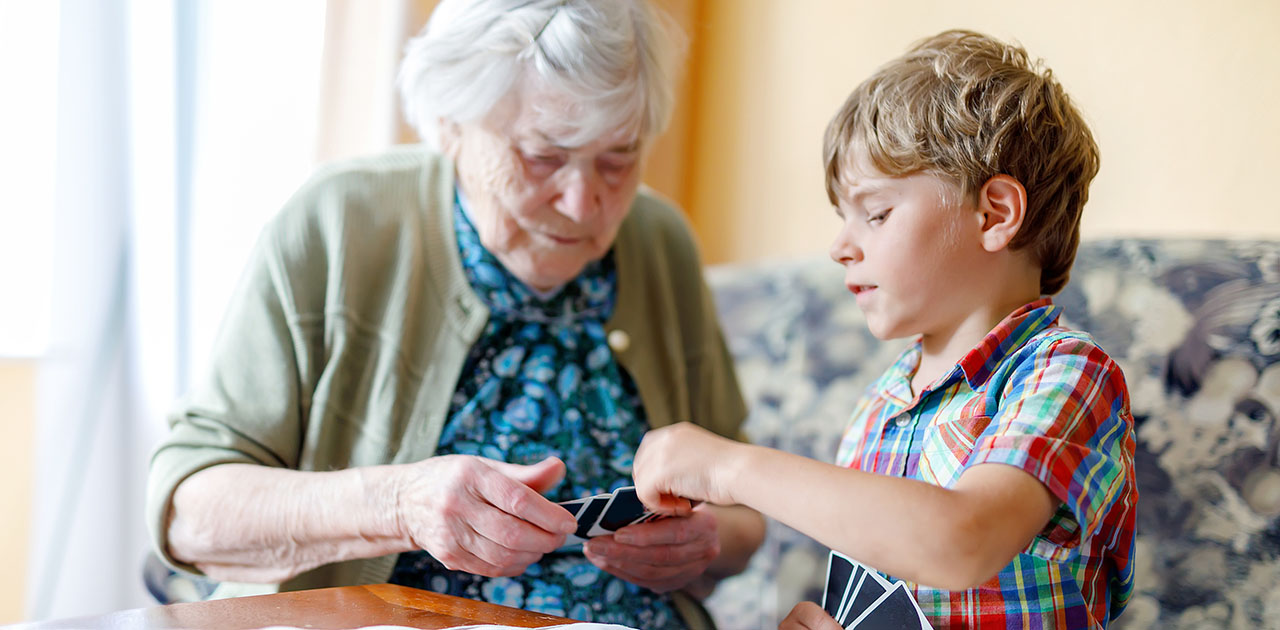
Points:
[(541, 476)]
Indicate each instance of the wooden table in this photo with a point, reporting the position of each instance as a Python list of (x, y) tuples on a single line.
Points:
[(343, 607)]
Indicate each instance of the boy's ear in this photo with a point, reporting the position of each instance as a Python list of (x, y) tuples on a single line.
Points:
[(1002, 205)]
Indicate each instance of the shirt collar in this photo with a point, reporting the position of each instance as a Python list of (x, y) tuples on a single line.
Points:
[(981, 362), (1009, 335)]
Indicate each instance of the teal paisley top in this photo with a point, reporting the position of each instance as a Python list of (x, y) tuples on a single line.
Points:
[(541, 381)]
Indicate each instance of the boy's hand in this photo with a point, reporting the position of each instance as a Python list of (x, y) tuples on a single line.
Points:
[(682, 463), (808, 616)]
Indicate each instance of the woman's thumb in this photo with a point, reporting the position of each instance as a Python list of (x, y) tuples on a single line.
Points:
[(541, 476)]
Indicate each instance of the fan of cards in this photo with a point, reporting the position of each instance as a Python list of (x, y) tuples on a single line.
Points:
[(604, 514), (858, 597)]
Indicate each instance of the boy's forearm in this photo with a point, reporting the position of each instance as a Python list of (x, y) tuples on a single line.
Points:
[(250, 523), (948, 538)]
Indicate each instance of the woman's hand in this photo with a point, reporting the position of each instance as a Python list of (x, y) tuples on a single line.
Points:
[(663, 555), (482, 516), (808, 616), (683, 463), (248, 523)]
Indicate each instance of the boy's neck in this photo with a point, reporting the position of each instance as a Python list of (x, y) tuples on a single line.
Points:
[(941, 350)]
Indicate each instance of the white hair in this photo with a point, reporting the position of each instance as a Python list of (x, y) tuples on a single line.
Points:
[(614, 60)]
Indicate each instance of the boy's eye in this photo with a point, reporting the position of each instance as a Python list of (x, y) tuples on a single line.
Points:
[(879, 217)]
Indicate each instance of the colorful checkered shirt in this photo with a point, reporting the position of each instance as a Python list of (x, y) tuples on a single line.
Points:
[(1047, 400)]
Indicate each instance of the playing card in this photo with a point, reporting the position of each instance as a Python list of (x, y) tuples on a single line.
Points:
[(850, 591), (650, 516), (574, 506), (894, 610), (869, 589), (589, 514), (623, 509), (839, 569)]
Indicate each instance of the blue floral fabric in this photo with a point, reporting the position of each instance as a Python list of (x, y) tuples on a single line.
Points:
[(541, 381)]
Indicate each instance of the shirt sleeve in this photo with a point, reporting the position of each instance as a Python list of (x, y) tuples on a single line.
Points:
[(1063, 417), (247, 408)]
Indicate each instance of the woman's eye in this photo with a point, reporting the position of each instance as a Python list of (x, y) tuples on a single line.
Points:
[(615, 165), (546, 160), (542, 164)]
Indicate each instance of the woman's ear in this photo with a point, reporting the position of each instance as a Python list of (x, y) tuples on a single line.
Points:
[(1002, 205), (450, 134)]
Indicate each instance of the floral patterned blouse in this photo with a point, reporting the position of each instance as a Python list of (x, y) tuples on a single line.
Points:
[(542, 381)]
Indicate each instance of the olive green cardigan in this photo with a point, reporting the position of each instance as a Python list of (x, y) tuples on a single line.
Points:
[(344, 341)]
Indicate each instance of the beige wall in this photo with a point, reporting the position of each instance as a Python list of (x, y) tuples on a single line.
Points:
[(1183, 97), (17, 424)]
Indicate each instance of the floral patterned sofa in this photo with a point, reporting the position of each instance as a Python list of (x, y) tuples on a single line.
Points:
[(1195, 324)]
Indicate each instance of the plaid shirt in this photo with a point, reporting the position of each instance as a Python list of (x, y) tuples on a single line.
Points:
[(1044, 399)]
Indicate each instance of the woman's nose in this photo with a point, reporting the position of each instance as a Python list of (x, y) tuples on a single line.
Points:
[(580, 194)]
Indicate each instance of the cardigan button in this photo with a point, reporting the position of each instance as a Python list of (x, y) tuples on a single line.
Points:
[(902, 420), (619, 340)]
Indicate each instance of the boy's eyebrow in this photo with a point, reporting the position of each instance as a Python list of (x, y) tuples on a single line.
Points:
[(857, 192)]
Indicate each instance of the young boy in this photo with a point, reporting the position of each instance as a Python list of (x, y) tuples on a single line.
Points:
[(991, 467)]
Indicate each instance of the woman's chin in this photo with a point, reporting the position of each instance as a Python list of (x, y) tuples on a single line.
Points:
[(546, 277)]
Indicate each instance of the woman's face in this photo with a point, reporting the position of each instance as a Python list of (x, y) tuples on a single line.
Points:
[(544, 209)]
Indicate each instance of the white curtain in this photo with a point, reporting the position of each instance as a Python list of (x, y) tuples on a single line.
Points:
[(182, 125)]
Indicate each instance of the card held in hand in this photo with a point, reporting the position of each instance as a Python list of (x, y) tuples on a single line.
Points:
[(857, 596), (895, 610), (840, 569), (604, 514), (623, 508)]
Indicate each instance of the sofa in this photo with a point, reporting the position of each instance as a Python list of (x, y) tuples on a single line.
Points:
[(1194, 324)]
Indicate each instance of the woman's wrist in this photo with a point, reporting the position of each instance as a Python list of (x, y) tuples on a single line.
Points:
[(382, 517)]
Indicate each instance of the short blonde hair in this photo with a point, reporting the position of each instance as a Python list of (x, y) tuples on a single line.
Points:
[(967, 107)]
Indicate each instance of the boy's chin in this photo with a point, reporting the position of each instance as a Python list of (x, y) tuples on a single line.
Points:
[(880, 332), (885, 331)]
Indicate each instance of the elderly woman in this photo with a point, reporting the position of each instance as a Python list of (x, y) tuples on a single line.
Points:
[(430, 348)]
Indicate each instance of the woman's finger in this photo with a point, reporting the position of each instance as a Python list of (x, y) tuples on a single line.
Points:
[(512, 496), (476, 553), (699, 527), (512, 532)]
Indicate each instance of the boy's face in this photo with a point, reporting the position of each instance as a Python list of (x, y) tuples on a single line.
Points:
[(909, 246)]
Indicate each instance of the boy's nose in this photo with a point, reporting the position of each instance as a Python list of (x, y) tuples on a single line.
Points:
[(843, 249)]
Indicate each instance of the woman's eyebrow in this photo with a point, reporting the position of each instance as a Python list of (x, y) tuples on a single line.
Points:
[(629, 147)]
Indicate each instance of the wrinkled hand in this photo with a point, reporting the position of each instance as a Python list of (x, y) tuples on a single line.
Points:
[(482, 516), (683, 461), (808, 616), (663, 555)]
